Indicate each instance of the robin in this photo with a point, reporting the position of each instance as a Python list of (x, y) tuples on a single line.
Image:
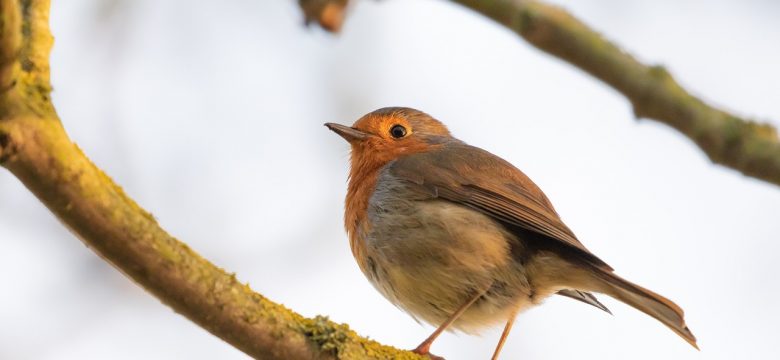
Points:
[(460, 238)]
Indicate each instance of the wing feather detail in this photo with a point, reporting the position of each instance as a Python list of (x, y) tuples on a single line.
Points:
[(476, 178)]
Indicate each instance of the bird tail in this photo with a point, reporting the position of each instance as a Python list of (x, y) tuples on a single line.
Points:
[(646, 301)]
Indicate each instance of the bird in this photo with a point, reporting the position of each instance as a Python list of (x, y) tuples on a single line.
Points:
[(460, 238)]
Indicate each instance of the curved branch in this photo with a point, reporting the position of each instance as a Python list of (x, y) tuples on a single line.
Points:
[(750, 147), (35, 148)]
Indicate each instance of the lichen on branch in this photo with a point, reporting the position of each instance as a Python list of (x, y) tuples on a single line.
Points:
[(10, 43), (36, 149)]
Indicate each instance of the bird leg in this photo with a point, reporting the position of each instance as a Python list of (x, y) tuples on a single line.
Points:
[(425, 347), (505, 334)]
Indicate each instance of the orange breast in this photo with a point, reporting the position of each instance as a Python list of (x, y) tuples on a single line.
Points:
[(367, 160), (362, 182)]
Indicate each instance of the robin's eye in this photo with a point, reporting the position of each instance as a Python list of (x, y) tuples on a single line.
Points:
[(397, 131)]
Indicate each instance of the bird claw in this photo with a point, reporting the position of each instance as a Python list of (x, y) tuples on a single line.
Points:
[(424, 351), (429, 355)]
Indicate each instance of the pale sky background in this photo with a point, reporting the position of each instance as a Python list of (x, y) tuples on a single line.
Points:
[(210, 115)]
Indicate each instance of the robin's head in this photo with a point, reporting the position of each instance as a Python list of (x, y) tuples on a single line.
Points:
[(388, 133)]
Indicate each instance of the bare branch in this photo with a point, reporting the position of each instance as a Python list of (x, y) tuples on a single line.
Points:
[(35, 148), (750, 147)]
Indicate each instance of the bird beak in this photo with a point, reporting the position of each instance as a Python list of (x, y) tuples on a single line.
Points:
[(348, 133)]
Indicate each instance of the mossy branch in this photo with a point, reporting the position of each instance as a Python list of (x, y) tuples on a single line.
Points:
[(748, 146), (36, 149), (10, 42)]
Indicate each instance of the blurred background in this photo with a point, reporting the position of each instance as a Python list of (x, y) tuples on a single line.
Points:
[(210, 115)]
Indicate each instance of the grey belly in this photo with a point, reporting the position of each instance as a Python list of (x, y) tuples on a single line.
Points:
[(430, 256)]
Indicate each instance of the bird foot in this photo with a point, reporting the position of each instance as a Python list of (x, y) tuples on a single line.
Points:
[(425, 351), (429, 355)]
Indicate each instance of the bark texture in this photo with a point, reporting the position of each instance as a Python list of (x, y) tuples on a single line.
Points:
[(36, 149)]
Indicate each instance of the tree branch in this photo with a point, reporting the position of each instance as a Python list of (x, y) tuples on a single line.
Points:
[(10, 42), (750, 147), (327, 13), (36, 149)]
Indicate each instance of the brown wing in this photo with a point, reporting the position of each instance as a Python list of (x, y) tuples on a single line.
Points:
[(476, 178)]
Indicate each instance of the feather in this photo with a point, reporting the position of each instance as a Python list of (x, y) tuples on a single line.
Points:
[(493, 187), (585, 297)]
